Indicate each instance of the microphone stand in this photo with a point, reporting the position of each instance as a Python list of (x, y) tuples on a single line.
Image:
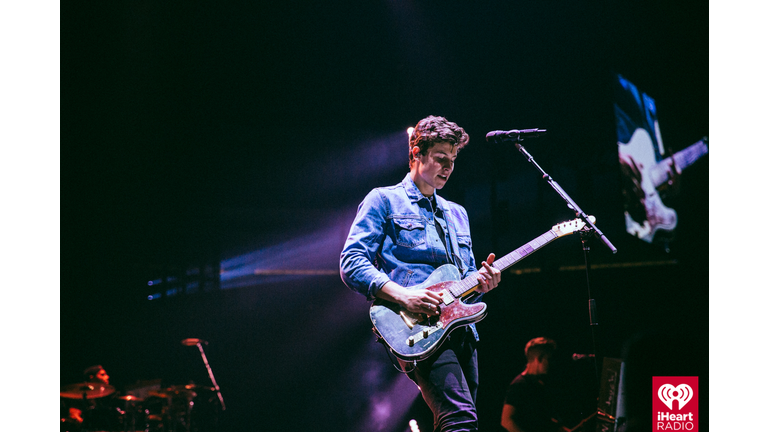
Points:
[(586, 234), (569, 202)]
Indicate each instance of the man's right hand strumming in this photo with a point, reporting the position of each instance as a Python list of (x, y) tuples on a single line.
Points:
[(414, 300)]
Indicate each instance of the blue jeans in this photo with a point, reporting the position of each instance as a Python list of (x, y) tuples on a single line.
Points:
[(448, 382)]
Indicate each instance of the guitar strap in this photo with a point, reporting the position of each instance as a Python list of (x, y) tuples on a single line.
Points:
[(440, 215), (457, 261), (451, 245)]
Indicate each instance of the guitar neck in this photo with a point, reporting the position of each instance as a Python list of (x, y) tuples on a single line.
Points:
[(469, 284), (691, 154), (683, 159)]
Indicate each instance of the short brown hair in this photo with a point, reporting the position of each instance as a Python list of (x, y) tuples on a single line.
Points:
[(432, 130), (92, 371), (537, 347)]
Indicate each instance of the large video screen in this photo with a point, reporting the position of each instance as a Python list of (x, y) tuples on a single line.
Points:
[(650, 170)]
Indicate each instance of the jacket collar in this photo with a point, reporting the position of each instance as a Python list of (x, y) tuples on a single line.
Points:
[(415, 194)]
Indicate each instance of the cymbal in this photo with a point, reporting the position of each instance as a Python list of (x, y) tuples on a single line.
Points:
[(199, 387), (174, 391), (87, 390), (131, 398)]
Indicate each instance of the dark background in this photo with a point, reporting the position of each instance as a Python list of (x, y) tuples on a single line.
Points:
[(195, 133)]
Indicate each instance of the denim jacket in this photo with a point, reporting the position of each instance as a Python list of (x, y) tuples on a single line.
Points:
[(393, 237)]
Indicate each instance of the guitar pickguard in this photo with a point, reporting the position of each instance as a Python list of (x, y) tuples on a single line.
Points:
[(414, 336)]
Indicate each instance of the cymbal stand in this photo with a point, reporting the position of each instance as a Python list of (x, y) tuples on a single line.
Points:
[(210, 374)]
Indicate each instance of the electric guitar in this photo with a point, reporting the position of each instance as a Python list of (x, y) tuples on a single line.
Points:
[(652, 175), (413, 336)]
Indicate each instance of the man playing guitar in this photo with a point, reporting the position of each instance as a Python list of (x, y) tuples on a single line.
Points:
[(401, 234)]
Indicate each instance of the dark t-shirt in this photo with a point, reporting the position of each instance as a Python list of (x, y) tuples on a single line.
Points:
[(533, 402)]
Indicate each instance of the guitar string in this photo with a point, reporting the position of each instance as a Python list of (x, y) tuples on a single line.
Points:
[(465, 285)]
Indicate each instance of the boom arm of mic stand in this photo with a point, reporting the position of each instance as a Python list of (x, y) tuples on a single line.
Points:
[(569, 202), (580, 213)]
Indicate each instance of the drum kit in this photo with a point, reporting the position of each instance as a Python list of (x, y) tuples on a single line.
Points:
[(96, 406), (99, 407)]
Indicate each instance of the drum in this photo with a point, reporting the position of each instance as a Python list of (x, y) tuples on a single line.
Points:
[(131, 414)]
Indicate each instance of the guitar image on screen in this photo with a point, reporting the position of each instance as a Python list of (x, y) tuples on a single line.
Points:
[(647, 175), (412, 336)]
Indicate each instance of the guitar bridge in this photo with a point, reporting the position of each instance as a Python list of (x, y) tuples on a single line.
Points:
[(426, 331)]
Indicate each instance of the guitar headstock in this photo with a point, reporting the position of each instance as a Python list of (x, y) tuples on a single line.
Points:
[(570, 227)]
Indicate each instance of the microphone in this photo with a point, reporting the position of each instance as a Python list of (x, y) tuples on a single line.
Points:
[(193, 342), (514, 134), (577, 357)]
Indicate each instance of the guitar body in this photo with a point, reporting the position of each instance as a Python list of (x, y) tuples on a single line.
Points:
[(415, 336), (411, 336), (658, 216)]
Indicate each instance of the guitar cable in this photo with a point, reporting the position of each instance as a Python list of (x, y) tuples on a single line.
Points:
[(396, 364), (388, 350)]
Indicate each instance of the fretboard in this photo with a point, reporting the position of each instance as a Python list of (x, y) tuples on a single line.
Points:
[(690, 155), (469, 284), (683, 159)]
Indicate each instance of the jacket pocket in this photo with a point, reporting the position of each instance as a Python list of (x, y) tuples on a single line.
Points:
[(465, 248), (401, 276), (409, 232)]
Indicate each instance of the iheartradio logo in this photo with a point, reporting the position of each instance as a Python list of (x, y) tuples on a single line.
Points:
[(669, 393), (671, 416)]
